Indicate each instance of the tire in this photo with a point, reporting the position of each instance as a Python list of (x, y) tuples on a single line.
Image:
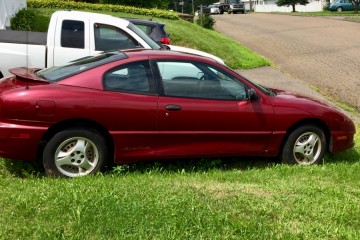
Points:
[(74, 153), (339, 9), (304, 146)]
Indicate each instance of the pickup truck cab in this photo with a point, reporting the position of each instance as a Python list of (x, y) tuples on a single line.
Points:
[(72, 35)]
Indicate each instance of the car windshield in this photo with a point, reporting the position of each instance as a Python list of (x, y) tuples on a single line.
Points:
[(58, 73), (143, 35), (234, 1)]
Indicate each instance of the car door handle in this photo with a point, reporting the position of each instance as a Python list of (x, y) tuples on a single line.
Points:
[(172, 107)]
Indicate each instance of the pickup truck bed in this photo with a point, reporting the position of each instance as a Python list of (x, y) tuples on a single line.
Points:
[(23, 37)]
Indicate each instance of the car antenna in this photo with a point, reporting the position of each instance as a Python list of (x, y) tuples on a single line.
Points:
[(27, 59)]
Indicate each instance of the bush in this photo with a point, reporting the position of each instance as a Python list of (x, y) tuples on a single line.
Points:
[(162, 4), (23, 20), (101, 7), (205, 21)]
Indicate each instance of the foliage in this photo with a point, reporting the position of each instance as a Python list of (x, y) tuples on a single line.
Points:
[(291, 3), (162, 4), (356, 5), (206, 21), (188, 5), (101, 7), (23, 20)]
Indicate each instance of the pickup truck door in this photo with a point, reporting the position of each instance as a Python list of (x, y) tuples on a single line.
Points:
[(69, 41)]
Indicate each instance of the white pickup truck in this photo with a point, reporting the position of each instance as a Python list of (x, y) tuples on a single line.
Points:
[(72, 35)]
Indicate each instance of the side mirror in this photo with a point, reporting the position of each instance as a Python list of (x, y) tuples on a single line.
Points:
[(165, 47), (251, 94)]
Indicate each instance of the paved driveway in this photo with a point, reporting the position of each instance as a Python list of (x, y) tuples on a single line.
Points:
[(323, 52)]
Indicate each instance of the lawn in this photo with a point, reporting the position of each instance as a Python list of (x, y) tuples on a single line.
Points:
[(346, 15), (205, 199)]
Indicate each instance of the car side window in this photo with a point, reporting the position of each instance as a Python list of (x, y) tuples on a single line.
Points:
[(199, 80), (111, 38), (133, 77)]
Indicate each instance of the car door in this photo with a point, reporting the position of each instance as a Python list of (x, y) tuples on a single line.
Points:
[(348, 6), (205, 111), (131, 104), (71, 41)]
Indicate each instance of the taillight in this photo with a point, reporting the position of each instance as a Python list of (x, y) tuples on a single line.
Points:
[(165, 40)]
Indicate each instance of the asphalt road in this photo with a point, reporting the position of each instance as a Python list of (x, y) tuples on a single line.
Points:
[(323, 52)]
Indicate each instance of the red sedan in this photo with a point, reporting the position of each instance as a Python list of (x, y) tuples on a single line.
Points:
[(147, 105)]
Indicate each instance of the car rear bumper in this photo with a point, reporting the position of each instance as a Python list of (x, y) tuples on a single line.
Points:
[(19, 142)]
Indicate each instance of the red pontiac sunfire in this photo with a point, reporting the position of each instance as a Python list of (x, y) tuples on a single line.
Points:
[(150, 104)]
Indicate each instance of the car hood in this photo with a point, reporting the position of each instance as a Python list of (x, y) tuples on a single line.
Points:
[(196, 52), (304, 104), (298, 99)]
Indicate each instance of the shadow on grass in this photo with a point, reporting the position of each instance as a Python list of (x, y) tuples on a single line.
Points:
[(195, 165), (23, 169)]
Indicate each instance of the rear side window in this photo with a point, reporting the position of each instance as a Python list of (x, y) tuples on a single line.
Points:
[(72, 34), (135, 77)]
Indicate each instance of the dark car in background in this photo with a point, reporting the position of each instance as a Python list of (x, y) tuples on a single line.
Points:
[(155, 30)]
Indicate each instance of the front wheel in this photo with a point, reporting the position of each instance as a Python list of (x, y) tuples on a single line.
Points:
[(74, 153), (304, 146), (339, 9)]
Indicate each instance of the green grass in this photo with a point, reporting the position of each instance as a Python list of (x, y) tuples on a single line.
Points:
[(232, 199), (181, 32), (347, 15)]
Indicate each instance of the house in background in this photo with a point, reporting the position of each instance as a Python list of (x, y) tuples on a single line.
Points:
[(8, 9), (270, 6)]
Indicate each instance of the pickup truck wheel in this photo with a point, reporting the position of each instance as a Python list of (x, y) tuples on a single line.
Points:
[(74, 153), (304, 146)]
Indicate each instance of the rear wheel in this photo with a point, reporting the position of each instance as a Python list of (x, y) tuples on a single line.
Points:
[(339, 9), (305, 146), (74, 153)]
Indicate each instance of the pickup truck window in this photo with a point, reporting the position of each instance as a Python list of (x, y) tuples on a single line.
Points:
[(111, 38), (72, 34)]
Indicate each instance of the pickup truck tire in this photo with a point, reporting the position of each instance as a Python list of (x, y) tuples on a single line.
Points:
[(74, 153)]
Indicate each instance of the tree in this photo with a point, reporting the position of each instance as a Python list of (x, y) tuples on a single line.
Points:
[(291, 3), (356, 5)]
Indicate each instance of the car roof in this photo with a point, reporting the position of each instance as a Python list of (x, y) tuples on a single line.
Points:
[(145, 22), (153, 53)]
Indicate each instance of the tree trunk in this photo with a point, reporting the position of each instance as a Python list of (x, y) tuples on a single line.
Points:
[(293, 7)]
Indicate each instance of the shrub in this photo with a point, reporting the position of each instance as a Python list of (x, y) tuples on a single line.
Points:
[(205, 21), (162, 4), (101, 7), (23, 20)]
